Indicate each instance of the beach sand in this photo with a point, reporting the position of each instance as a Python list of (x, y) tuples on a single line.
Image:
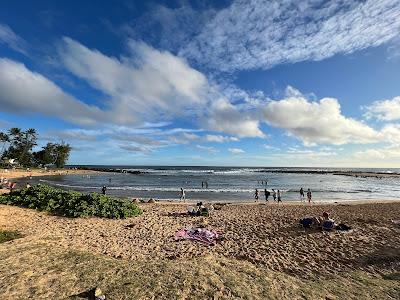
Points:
[(18, 173), (12, 174), (263, 246)]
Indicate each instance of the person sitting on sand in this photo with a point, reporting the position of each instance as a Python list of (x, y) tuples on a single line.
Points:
[(327, 223)]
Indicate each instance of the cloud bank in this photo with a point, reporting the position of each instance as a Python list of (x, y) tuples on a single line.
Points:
[(24, 91), (384, 110), (262, 34), (319, 122), (144, 86)]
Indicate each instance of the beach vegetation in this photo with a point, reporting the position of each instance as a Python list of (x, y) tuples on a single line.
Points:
[(71, 204), (20, 149), (53, 154), (6, 235)]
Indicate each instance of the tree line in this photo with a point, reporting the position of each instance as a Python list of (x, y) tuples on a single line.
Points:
[(18, 145)]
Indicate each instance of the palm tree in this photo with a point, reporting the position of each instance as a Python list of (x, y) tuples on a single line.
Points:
[(4, 139), (28, 142), (16, 132)]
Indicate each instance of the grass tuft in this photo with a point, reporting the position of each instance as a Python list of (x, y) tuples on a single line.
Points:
[(6, 236)]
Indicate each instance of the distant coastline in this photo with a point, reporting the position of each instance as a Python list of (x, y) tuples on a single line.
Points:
[(283, 170)]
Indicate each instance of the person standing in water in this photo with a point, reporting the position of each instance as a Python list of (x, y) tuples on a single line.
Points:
[(104, 190), (256, 195), (183, 195), (267, 193), (274, 194), (301, 194), (279, 196), (309, 196)]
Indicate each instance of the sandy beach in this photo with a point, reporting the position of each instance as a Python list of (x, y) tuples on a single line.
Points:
[(12, 174), (265, 236), (261, 240)]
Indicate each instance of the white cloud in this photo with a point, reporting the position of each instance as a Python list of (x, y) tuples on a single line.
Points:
[(269, 147), (261, 34), (135, 149), (388, 156), (12, 40), (384, 110), (75, 134), (225, 117), (190, 136), (220, 138), (169, 23), (310, 153), (149, 85), (24, 91), (370, 154), (181, 137), (208, 149), (391, 134), (319, 122), (236, 150)]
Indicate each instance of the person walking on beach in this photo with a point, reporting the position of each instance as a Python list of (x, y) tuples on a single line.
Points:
[(267, 193), (183, 196), (256, 195), (279, 196), (309, 195), (104, 190), (274, 194), (301, 194)]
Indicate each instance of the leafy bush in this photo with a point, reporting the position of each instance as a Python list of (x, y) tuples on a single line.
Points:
[(71, 204), (6, 236)]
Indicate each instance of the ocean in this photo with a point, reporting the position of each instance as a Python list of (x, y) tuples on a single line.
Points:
[(232, 183)]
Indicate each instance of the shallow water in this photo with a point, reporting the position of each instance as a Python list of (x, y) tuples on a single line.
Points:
[(232, 184)]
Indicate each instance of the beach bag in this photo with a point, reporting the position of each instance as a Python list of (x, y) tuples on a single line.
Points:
[(204, 212), (306, 222), (328, 225)]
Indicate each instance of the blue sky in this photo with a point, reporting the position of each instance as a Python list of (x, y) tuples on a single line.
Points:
[(246, 83)]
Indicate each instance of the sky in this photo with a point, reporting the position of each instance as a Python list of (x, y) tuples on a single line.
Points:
[(224, 83)]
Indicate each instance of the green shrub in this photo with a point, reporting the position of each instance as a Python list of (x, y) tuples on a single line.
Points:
[(71, 204), (6, 236)]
